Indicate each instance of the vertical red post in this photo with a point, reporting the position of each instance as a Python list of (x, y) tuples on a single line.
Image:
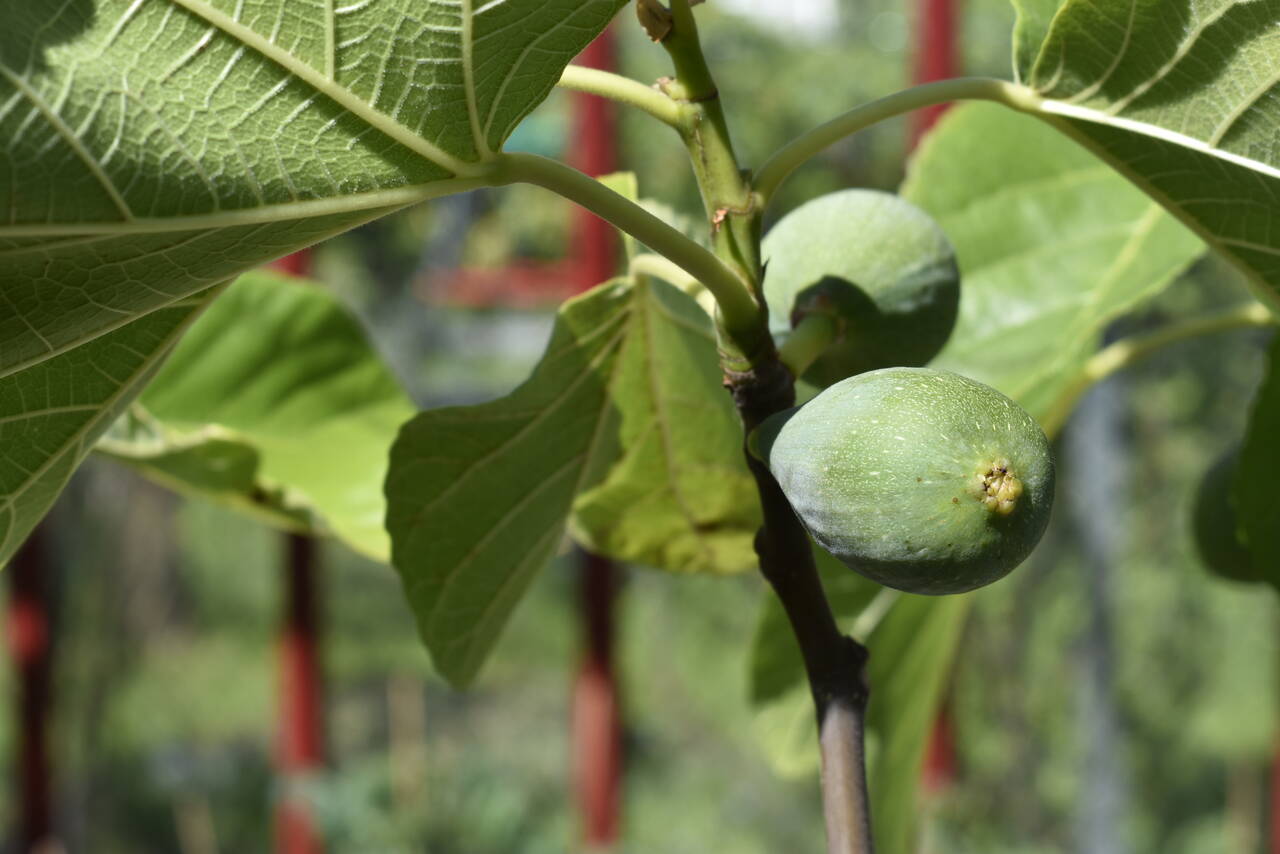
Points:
[(597, 721), (300, 737), (297, 264), (597, 718), (595, 152), (300, 740), (31, 648), (936, 58)]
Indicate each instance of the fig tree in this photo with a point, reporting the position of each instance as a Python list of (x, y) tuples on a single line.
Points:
[(880, 265), (920, 479), (1215, 525)]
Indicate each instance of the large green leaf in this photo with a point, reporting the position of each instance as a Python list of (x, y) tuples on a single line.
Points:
[(1257, 500), (51, 413), (477, 496), (1183, 96), (275, 402), (1052, 245), (680, 497), (149, 148), (911, 654)]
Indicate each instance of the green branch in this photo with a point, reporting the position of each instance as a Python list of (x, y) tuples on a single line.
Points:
[(1127, 351), (733, 210), (795, 153), (738, 310), (624, 90), (685, 49)]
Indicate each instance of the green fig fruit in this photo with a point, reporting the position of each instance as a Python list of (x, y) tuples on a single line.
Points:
[(880, 265), (920, 479)]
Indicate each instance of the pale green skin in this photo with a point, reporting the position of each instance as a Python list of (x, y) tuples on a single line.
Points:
[(885, 471), (877, 263)]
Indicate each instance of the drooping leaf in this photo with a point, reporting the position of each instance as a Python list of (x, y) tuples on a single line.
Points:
[(51, 413), (911, 654), (1257, 500), (150, 149), (776, 666), (680, 496), (786, 731), (209, 463), (477, 496), (276, 403), (1184, 98), (1052, 245), (622, 413)]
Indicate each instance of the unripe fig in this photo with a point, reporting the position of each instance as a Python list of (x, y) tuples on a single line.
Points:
[(880, 265), (920, 479), (1216, 526)]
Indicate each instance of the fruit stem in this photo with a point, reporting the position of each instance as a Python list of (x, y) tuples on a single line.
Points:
[(623, 90), (834, 663), (809, 340), (652, 264), (1128, 351)]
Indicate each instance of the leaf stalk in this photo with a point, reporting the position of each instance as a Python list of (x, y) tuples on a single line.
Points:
[(1133, 349), (787, 159), (739, 314), (809, 340)]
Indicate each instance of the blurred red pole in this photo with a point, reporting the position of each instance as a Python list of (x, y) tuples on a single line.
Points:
[(940, 753), (936, 58), (300, 739), (297, 264), (30, 646), (300, 742), (595, 152), (597, 720)]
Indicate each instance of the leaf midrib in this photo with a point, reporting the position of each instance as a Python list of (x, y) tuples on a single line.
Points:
[(663, 424), (386, 201), (1053, 107), (340, 94), (583, 459)]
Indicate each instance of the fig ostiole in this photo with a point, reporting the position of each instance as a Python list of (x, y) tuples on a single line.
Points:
[(1216, 526), (875, 263), (920, 479)]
